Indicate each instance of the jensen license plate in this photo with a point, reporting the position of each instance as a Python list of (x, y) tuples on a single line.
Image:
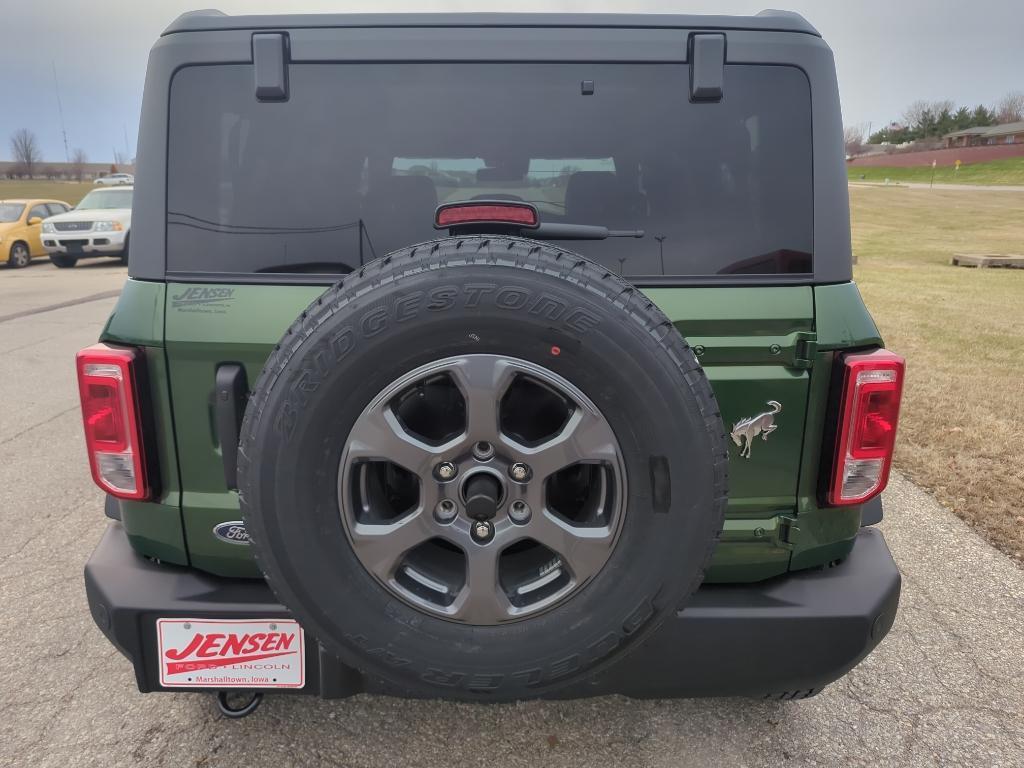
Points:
[(229, 653)]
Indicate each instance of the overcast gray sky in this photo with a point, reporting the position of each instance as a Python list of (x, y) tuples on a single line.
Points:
[(889, 53)]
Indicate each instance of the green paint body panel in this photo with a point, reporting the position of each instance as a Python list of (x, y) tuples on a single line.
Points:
[(843, 321), (154, 528), (242, 328), (756, 345)]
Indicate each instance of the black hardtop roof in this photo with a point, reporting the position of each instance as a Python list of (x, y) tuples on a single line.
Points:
[(765, 21)]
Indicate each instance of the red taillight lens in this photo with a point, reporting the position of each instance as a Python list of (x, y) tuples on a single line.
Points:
[(868, 415), (486, 212), (113, 435)]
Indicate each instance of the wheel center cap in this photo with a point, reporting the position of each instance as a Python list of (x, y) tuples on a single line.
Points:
[(483, 494)]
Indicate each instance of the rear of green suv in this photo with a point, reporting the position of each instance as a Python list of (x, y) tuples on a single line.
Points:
[(635, 229)]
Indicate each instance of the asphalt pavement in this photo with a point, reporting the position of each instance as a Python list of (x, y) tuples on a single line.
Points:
[(946, 688)]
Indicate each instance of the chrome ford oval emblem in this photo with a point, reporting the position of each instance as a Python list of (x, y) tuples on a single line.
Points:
[(233, 532)]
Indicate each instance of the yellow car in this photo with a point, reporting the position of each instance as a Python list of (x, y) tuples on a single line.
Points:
[(20, 225)]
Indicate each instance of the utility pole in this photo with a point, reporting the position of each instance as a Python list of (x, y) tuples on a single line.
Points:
[(127, 147), (60, 112)]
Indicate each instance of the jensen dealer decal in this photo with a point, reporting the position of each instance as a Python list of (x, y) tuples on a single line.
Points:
[(208, 301), (202, 653)]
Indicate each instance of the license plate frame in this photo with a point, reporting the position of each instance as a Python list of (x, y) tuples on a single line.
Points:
[(253, 654)]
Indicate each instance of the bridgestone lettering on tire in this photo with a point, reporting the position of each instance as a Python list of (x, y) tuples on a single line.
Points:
[(366, 396)]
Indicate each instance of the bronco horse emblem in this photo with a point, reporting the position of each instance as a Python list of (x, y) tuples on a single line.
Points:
[(762, 424)]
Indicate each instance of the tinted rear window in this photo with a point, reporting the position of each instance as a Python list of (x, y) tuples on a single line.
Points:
[(354, 163)]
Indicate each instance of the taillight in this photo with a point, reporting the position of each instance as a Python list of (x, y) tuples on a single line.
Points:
[(868, 413), (486, 212), (113, 434)]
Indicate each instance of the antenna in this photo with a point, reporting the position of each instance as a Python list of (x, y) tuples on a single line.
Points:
[(127, 147), (60, 112)]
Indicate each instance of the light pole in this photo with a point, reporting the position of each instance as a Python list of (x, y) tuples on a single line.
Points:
[(661, 250)]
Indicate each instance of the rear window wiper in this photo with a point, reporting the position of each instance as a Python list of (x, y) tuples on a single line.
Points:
[(546, 231)]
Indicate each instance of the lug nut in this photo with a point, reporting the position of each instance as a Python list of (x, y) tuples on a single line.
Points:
[(519, 472), (519, 511), (445, 511), (483, 532), (445, 470)]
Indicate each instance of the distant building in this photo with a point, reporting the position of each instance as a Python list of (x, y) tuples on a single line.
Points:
[(62, 171), (991, 135)]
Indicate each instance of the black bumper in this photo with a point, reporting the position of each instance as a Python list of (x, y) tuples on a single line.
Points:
[(787, 637)]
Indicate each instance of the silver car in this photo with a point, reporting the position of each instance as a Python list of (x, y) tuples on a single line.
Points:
[(115, 180)]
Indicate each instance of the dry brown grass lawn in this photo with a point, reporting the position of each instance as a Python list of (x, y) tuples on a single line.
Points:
[(962, 332), (68, 191)]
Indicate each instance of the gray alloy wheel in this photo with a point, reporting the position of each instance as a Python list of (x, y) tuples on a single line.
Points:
[(19, 256), (460, 488)]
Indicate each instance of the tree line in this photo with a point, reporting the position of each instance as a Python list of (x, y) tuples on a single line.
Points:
[(924, 120), (28, 158)]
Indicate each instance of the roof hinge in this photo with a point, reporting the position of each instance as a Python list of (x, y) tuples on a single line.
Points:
[(270, 54), (706, 53)]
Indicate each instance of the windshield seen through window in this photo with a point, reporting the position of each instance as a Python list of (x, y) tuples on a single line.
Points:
[(105, 199)]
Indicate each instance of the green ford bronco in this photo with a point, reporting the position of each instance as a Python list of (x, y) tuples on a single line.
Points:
[(491, 357)]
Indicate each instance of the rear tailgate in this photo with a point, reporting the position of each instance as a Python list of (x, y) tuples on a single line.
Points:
[(753, 342)]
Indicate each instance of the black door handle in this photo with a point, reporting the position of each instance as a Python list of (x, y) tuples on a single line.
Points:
[(231, 390)]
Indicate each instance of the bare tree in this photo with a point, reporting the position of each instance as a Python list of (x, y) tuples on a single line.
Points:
[(923, 115), (25, 149), (853, 138), (119, 159), (78, 161), (918, 113), (1010, 108)]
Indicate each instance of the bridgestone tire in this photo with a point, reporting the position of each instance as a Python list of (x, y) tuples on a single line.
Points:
[(504, 296)]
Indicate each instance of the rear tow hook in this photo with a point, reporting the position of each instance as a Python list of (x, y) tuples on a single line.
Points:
[(237, 713)]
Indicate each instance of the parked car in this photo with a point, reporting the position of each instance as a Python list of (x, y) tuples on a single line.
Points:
[(612, 418), (20, 228), (100, 225), (115, 180)]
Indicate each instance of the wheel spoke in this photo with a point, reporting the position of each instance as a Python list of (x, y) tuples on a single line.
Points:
[(379, 435), (586, 437), (381, 547), (584, 550), (482, 380), (481, 600)]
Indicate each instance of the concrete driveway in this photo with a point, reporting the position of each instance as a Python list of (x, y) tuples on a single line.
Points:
[(945, 688)]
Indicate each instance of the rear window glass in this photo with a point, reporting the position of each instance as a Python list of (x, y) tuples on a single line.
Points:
[(355, 162)]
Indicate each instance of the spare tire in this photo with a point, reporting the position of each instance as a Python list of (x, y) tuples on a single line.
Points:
[(482, 467)]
